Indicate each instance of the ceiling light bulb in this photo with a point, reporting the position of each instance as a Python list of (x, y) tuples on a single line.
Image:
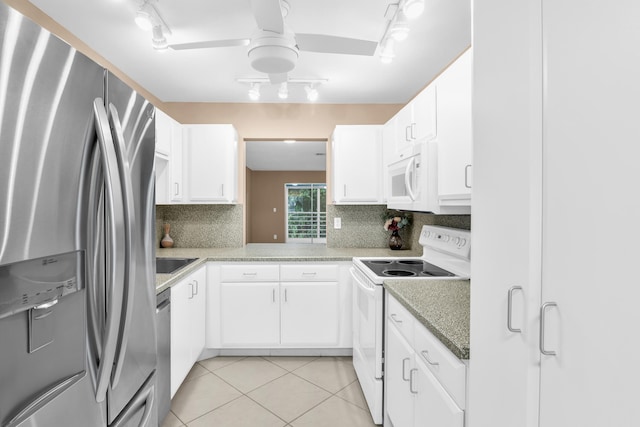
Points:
[(386, 52), (283, 92), (399, 30), (413, 8), (254, 92), (143, 18), (312, 93), (159, 41)]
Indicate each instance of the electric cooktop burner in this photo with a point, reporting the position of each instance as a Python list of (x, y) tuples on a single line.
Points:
[(405, 268)]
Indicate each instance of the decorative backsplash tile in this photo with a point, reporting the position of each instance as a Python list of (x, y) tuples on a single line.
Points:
[(201, 226)]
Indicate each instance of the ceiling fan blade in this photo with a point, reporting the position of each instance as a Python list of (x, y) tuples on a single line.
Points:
[(334, 44), (268, 15), (278, 78), (210, 43)]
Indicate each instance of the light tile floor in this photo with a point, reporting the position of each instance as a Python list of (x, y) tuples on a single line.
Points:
[(270, 392)]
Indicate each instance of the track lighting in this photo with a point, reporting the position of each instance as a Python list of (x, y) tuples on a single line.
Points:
[(159, 41), (399, 29), (312, 93), (254, 92), (143, 17), (283, 92), (413, 8), (387, 51)]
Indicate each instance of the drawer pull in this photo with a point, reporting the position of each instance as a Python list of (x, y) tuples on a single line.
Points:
[(250, 274), (411, 381), (395, 319), (313, 273), (425, 356)]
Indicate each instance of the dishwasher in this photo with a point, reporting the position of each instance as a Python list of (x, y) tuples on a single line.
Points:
[(163, 370)]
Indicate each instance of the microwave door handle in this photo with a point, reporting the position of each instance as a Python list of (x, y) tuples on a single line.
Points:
[(407, 178), (129, 268), (115, 212)]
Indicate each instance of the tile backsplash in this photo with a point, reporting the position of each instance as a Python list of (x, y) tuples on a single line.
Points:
[(201, 226)]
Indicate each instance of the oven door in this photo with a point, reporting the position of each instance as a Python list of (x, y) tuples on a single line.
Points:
[(367, 340)]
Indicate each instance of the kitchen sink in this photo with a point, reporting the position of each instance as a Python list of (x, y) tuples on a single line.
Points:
[(170, 265)]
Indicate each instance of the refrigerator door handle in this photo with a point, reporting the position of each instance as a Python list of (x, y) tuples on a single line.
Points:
[(129, 216), (115, 227), (146, 396)]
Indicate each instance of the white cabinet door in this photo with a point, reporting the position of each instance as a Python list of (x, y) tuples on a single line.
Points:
[(309, 313), (357, 165), (163, 132), (398, 366), (176, 187), (198, 281), (424, 123), (211, 163), (454, 132), (180, 334), (590, 149), (433, 406), (250, 314)]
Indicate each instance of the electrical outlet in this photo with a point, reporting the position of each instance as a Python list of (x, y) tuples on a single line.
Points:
[(337, 223), (275, 237)]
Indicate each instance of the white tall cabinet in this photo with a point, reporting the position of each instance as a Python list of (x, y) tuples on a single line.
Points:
[(555, 214)]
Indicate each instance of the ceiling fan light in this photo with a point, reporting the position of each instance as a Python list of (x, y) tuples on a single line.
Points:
[(283, 92), (273, 54), (312, 93), (143, 18), (413, 8), (254, 92)]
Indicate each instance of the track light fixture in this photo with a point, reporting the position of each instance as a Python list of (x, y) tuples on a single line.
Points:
[(148, 18), (309, 86), (254, 92), (397, 15), (387, 52), (283, 92), (413, 8), (399, 28), (312, 93)]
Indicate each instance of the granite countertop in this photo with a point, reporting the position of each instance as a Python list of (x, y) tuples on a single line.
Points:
[(442, 306), (261, 252)]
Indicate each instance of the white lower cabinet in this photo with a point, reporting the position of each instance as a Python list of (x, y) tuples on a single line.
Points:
[(188, 303), (273, 305), (424, 383)]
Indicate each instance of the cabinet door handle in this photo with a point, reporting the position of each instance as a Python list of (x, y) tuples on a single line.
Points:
[(345, 191), (510, 308), (273, 295), (543, 312), (285, 294), (394, 317), (404, 361), (425, 356), (466, 176), (222, 190), (177, 188), (413, 126), (197, 287), (411, 381), (191, 291)]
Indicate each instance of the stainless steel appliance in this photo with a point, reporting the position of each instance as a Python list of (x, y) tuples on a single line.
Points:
[(77, 225), (446, 256), (163, 377)]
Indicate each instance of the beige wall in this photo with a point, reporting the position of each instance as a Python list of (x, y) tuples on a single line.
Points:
[(265, 193)]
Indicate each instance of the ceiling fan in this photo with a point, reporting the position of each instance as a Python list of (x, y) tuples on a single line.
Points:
[(274, 48)]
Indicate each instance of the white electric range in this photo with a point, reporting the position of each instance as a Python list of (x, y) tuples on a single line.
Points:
[(446, 256)]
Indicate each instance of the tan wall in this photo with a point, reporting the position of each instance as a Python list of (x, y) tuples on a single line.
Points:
[(265, 193)]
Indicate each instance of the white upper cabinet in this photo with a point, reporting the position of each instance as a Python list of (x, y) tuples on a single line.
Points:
[(210, 163), (454, 133), (163, 133), (357, 165)]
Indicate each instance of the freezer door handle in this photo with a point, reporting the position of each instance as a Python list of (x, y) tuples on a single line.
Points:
[(115, 213), (129, 217), (146, 396)]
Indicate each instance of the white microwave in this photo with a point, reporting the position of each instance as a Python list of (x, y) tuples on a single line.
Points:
[(412, 181)]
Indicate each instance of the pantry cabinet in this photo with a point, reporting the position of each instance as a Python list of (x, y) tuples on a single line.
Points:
[(188, 302), (357, 169), (552, 306)]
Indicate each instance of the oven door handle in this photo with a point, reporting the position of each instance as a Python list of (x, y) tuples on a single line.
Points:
[(363, 286)]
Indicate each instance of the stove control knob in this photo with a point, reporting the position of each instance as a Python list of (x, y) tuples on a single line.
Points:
[(463, 242), (446, 238), (456, 241)]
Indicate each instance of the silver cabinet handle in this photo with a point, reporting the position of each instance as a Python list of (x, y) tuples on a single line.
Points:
[(222, 190), (466, 176), (543, 312), (273, 295), (312, 273), (191, 290), (394, 317), (510, 308), (250, 274), (345, 190), (285, 294), (411, 381), (425, 356), (404, 369), (406, 133), (197, 287), (413, 126), (177, 187)]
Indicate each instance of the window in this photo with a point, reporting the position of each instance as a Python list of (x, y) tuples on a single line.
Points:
[(306, 213)]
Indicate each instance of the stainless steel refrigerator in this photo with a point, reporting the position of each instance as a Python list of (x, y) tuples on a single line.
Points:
[(77, 226)]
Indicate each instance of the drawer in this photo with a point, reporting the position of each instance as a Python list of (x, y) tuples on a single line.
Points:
[(400, 317), (250, 273), (444, 365), (309, 273)]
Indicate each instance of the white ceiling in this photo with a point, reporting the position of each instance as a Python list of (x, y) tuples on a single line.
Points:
[(209, 75), (282, 156)]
